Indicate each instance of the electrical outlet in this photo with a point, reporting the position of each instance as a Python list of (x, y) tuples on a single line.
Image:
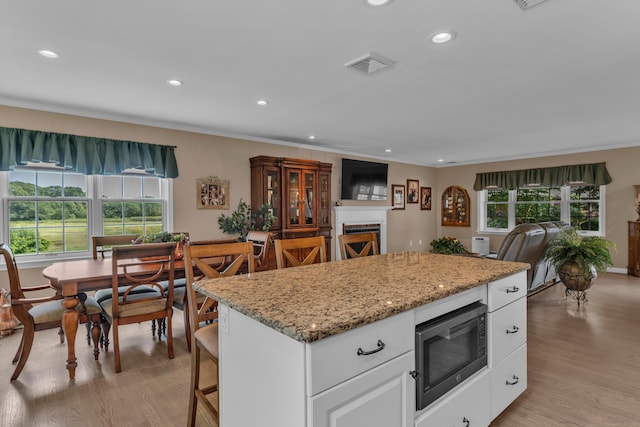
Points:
[(420, 242), (410, 242), (223, 318)]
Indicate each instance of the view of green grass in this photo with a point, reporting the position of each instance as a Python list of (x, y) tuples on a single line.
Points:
[(76, 231)]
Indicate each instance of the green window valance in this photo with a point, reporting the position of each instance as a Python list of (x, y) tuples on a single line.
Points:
[(593, 173), (84, 154)]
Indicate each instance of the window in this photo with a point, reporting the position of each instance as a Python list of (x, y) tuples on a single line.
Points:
[(54, 213), (579, 205)]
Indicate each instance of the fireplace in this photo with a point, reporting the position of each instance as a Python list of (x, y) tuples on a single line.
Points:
[(357, 219)]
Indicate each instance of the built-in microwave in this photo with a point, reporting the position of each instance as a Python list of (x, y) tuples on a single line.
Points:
[(449, 349)]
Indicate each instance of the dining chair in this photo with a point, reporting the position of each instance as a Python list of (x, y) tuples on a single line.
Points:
[(204, 339), (136, 267), (45, 312), (104, 244), (300, 251), (261, 242), (180, 300), (358, 245)]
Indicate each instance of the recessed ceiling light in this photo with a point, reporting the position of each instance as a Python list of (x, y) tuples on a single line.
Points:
[(174, 82), (48, 53), (311, 137), (440, 160), (443, 37), (388, 150), (376, 3), (262, 102)]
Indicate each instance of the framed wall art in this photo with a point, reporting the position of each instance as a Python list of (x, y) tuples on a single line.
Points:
[(398, 196), (425, 198), (413, 191), (212, 193)]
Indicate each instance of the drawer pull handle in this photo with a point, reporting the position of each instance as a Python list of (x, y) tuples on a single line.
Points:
[(361, 352), (514, 382), (466, 421), (513, 330), (514, 289)]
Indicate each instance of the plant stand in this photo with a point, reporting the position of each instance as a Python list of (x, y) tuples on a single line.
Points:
[(576, 282)]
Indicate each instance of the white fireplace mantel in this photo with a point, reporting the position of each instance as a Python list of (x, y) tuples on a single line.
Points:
[(355, 215)]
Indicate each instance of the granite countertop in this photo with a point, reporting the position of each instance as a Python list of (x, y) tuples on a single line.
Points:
[(312, 302)]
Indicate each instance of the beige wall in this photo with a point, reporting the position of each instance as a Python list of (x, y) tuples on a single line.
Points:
[(200, 155), (620, 194)]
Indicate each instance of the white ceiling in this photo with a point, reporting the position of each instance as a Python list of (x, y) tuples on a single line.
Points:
[(561, 77)]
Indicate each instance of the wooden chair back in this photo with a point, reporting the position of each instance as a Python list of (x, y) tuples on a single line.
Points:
[(261, 242), (103, 244), (19, 302), (142, 266), (205, 259), (358, 245), (300, 251)]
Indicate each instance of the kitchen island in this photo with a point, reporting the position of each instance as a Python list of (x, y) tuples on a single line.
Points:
[(288, 338)]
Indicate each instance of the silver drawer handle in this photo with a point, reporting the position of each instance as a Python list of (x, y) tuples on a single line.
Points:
[(513, 330), (514, 289), (514, 382), (361, 352)]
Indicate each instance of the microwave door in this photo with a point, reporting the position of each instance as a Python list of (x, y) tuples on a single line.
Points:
[(457, 331)]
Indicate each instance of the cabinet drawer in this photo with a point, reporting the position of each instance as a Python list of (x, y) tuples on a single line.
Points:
[(508, 380), (467, 405), (503, 291), (507, 330), (336, 359)]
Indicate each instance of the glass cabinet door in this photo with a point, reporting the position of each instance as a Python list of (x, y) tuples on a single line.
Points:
[(293, 180), (308, 198), (273, 191)]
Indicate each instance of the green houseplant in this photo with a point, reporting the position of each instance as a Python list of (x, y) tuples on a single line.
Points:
[(243, 220), (448, 245), (577, 259)]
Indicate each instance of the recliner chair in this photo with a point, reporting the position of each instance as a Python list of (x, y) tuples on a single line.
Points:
[(523, 244)]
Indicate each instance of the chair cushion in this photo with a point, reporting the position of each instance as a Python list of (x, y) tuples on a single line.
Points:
[(207, 338), (103, 294), (177, 283), (127, 310), (180, 297), (52, 311)]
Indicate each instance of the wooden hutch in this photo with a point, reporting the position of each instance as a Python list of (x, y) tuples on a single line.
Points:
[(299, 195)]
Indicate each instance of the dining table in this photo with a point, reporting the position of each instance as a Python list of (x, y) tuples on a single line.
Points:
[(70, 278)]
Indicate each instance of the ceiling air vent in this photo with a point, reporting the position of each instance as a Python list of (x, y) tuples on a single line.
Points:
[(369, 63), (528, 4)]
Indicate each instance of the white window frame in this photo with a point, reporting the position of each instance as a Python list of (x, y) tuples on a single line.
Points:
[(564, 212), (94, 219)]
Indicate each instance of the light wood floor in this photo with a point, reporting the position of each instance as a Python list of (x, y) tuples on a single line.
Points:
[(584, 371), (584, 362), (151, 390)]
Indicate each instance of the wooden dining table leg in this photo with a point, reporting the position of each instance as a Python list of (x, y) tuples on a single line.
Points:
[(70, 319)]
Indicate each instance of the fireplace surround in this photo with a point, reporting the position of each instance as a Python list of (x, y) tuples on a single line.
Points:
[(361, 216)]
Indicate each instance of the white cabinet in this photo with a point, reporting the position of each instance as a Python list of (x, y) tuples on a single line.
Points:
[(381, 397), (466, 406), (507, 325), (507, 330), (481, 398), (508, 380), (340, 357)]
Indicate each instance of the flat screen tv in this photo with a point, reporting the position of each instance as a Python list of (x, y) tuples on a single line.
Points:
[(362, 180)]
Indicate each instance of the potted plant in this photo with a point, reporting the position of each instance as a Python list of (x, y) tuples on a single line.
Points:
[(448, 245), (577, 259), (243, 220), (162, 237)]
